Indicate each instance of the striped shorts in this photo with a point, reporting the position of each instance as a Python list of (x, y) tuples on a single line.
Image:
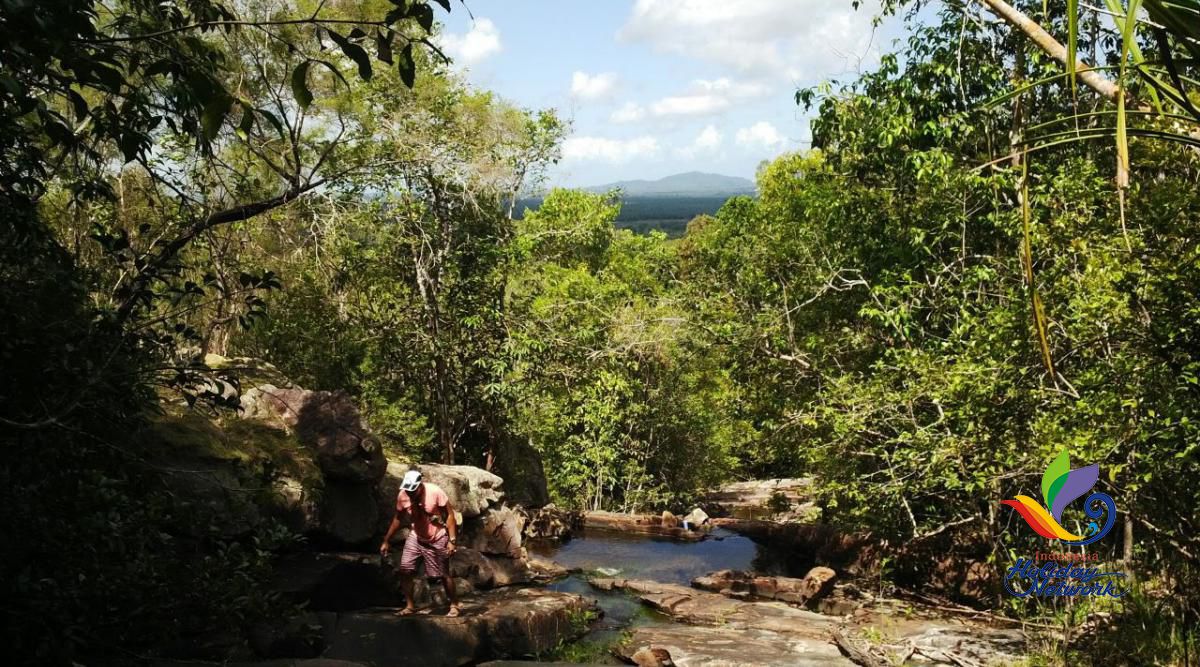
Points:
[(432, 553)]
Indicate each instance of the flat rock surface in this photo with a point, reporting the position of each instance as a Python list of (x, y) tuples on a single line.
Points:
[(498, 624), (693, 606), (741, 584), (692, 646), (641, 524), (934, 640)]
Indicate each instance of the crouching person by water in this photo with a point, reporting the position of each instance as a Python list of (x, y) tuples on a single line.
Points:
[(432, 539)]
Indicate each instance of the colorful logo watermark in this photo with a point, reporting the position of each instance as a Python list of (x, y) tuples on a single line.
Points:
[(1060, 487)]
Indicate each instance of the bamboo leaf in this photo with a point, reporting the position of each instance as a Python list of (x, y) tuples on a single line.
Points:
[(1039, 311), (1072, 40), (300, 90)]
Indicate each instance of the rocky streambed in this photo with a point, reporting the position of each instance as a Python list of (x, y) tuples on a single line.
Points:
[(650, 590), (728, 600)]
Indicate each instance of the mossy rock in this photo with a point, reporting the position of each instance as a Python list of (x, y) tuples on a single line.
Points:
[(250, 372), (262, 449)]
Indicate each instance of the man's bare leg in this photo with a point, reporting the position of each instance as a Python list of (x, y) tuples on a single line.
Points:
[(452, 595), (407, 586)]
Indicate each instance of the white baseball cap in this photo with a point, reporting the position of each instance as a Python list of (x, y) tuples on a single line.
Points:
[(412, 479)]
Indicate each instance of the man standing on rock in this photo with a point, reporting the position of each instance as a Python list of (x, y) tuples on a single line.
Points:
[(432, 539)]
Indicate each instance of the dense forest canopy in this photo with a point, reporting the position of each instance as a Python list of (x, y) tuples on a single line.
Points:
[(978, 264)]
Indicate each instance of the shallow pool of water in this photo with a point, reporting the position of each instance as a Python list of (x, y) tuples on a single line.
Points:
[(607, 553), (601, 553)]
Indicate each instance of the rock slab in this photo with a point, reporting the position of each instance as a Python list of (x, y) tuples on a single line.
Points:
[(788, 499), (697, 607), (508, 623), (692, 646), (641, 524), (803, 591)]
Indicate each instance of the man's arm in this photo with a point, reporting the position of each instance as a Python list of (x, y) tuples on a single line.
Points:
[(451, 528), (387, 539)]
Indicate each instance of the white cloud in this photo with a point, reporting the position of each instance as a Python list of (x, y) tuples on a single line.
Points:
[(707, 141), (736, 90), (760, 135), (593, 86), (609, 150), (476, 45), (689, 105), (705, 97), (797, 39), (630, 113)]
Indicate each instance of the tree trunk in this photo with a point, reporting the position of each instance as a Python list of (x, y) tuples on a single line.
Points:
[(1046, 42)]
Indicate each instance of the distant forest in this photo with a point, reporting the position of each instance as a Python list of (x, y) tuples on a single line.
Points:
[(670, 214)]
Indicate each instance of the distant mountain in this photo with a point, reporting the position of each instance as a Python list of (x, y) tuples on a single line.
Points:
[(690, 184)]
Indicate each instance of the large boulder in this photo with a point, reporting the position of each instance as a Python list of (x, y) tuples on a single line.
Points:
[(520, 464), (504, 623), (328, 423), (472, 490), (234, 473), (496, 532), (331, 515)]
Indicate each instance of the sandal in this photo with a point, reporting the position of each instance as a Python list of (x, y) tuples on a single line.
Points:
[(455, 610), (406, 611)]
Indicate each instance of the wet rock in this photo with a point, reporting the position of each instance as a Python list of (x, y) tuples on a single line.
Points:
[(735, 583), (549, 522), (690, 646), (697, 607), (544, 571), (642, 524), (504, 623), (328, 423)]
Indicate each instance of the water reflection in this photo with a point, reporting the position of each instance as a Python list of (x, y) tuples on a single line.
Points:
[(665, 560)]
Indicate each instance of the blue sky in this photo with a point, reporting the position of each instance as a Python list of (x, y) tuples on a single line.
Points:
[(656, 87)]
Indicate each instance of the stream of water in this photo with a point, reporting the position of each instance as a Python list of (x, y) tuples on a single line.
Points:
[(599, 553)]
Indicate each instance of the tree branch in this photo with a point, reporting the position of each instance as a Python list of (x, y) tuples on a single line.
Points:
[(1046, 42)]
